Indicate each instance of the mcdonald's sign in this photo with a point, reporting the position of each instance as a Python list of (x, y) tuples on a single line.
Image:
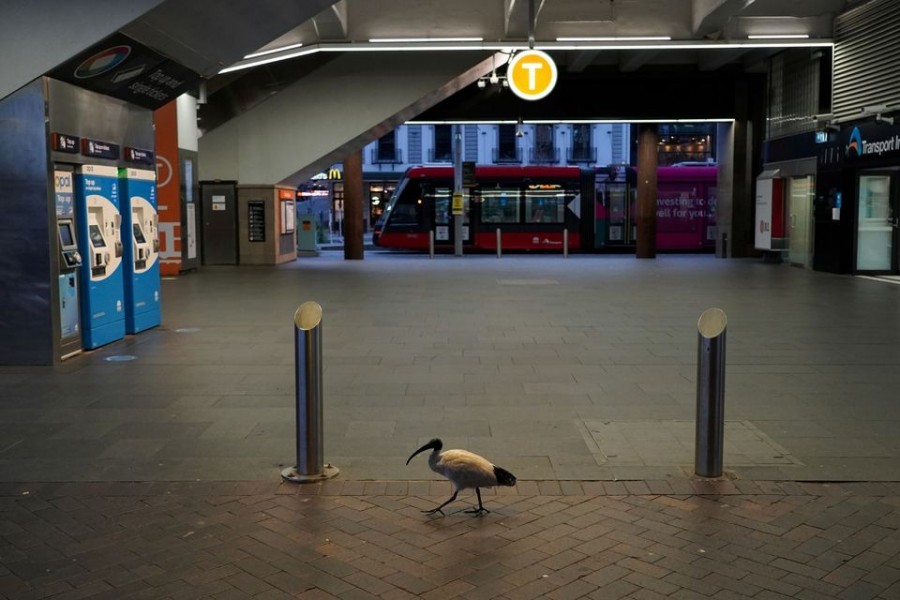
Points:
[(334, 173)]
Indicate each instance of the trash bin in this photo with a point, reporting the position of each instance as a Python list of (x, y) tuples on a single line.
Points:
[(307, 236)]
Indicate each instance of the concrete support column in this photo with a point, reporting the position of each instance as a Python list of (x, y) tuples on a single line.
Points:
[(744, 198), (725, 187), (646, 191), (353, 206)]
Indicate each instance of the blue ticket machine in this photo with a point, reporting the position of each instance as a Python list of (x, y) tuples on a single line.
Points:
[(100, 245), (69, 262), (140, 224)]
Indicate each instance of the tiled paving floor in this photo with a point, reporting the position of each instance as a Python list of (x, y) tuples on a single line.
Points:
[(559, 540), (159, 477), (512, 358)]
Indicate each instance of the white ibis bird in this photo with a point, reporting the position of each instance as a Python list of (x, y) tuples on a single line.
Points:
[(465, 470)]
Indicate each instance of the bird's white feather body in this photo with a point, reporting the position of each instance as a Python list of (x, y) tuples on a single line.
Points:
[(464, 469)]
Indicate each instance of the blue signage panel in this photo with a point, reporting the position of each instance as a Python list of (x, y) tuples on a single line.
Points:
[(100, 245), (871, 141), (140, 232)]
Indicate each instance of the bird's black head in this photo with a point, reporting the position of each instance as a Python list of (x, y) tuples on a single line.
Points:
[(434, 444)]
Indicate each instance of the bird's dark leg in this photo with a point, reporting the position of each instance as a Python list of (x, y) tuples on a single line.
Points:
[(481, 509), (438, 509)]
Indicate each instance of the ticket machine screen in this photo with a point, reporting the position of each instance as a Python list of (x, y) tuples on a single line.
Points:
[(65, 235), (138, 234), (68, 248), (97, 237)]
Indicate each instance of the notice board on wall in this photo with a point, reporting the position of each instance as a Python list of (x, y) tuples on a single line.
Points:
[(256, 217)]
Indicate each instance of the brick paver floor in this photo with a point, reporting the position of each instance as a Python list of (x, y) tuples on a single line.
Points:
[(558, 539)]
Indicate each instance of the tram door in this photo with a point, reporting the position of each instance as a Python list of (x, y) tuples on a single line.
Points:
[(442, 199), (617, 209)]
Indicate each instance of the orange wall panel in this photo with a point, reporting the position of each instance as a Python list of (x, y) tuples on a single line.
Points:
[(168, 174)]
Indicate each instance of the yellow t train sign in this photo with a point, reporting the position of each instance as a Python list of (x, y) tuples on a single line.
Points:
[(531, 74)]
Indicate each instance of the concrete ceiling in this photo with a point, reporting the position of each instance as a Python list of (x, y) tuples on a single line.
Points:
[(498, 21)]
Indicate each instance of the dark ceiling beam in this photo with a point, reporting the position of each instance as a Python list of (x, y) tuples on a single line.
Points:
[(711, 60), (515, 18), (582, 60), (331, 23), (632, 60), (711, 17)]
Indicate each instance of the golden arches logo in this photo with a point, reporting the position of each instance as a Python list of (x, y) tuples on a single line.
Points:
[(531, 74), (334, 173)]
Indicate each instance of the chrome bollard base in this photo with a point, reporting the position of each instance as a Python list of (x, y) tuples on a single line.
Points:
[(293, 476)]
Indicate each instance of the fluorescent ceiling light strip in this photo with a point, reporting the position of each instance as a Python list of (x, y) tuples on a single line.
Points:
[(272, 51), (686, 45), (439, 40), (779, 36), (564, 121), (404, 47), (271, 59), (624, 38), (509, 47)]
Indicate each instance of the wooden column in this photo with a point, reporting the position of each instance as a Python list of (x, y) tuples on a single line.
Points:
[(353, 207), (646, 191)]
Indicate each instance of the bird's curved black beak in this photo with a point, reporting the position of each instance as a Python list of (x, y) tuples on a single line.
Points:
[(432, 445)]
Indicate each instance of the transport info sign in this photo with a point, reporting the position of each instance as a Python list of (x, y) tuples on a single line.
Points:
[(531, 74)]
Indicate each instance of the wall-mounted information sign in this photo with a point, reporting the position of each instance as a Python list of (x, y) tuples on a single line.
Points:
[(287, 216), (65, 143), (119, 66), (256, 214), (99, 149), (458, 204), (138, 155)]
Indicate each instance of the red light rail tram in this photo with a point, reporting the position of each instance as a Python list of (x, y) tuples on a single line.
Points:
[(533, 206)]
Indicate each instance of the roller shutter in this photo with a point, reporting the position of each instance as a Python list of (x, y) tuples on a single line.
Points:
[(866, 58)]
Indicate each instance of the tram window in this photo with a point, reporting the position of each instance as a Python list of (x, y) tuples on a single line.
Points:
[(440, 196), (406, 214), (500, 205), (407, 209), (545, 203)]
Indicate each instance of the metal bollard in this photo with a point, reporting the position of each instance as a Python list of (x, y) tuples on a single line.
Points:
[(499, 250), (565, 243), (710, 433), (308, 382), (431, 244)]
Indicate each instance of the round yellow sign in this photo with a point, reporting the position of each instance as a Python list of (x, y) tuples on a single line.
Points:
[(531, 74)]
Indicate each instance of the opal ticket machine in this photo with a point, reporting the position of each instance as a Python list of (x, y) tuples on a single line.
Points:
[(69, 263), (100, 244), (140, 223)]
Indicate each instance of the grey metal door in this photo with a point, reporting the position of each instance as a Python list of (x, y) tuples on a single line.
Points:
[(219, 238)]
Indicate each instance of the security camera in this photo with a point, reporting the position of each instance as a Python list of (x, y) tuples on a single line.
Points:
[(875, 108), (822, 117)]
